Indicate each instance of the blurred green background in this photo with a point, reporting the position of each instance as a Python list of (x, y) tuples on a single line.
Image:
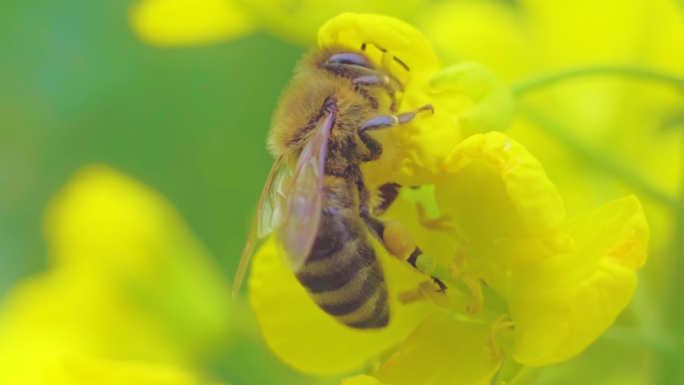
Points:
[(77, 87)]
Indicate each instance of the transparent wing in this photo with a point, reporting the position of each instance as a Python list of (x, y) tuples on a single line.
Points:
[(297, 232), (273, 201), (266, 218)]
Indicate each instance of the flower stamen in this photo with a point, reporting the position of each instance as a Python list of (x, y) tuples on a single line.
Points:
[(457, 271), (497, 326), (440, 223), (425, 291)]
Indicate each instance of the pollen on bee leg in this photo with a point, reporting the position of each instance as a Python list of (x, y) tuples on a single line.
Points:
[(498, 325), (398, 239), (426, 263), (423, 292)]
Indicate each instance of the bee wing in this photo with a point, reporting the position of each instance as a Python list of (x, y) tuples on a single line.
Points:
[(297, 233), (266, 218)]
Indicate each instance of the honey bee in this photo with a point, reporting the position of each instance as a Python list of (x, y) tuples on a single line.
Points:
[(315, 199)]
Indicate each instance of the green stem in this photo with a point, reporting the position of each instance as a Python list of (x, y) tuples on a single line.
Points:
[(526, 376), (537, 83), (594, 155), (670, 362)]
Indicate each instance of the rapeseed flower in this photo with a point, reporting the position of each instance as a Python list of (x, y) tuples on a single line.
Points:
[(607, 134), (596, 86), (602, 135), (561, 281), (131, 296), (552, 285)]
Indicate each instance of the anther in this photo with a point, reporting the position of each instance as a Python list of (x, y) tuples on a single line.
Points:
[(425, 291), (457, 271), (441, 223), (496, 327)]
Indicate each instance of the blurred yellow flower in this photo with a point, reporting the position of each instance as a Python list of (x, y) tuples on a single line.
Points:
[(562, 282), (193, 22), (89, 371), (184, 22), (131, 297)]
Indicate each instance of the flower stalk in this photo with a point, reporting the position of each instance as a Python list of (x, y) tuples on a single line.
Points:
[(524, 87)]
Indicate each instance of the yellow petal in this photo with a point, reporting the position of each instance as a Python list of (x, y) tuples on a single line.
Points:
[(493, 176), (502, 203), (401, 39), (299, 332), (561, 304), (362, 380), (107, 225), (299, 22), (442, 350), (493, 102), (607, 27), (490, 33), (88, 371), (168, 23)]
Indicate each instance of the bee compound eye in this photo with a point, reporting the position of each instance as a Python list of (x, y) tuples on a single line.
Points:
[(349, 58)]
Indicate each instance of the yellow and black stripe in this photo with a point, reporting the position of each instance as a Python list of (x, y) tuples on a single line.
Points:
[(342, 273)]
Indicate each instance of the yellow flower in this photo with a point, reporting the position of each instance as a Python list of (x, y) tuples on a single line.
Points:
[(185, 22), (193, 22), (599, 129), (131, 296), (88, 371), (562, 282)]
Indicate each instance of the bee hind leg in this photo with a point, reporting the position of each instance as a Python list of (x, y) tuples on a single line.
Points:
[(413, 261), (398, 241)]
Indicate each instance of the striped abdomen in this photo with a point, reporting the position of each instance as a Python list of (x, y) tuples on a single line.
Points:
[(342, 273)]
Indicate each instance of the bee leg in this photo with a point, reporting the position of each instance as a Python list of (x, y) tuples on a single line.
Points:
[(381, 122), (389, 193), (409, 116), (371, 80), (385, 121), (374, 146), (380, 80), (413, 259), (398, 241)]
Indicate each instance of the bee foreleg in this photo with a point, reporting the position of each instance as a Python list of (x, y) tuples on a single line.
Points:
[(409, 116), (371, 80), (385, 121), (381, 122)]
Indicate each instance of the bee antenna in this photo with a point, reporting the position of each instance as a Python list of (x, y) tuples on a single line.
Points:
[(401, 63), (396, 59)]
